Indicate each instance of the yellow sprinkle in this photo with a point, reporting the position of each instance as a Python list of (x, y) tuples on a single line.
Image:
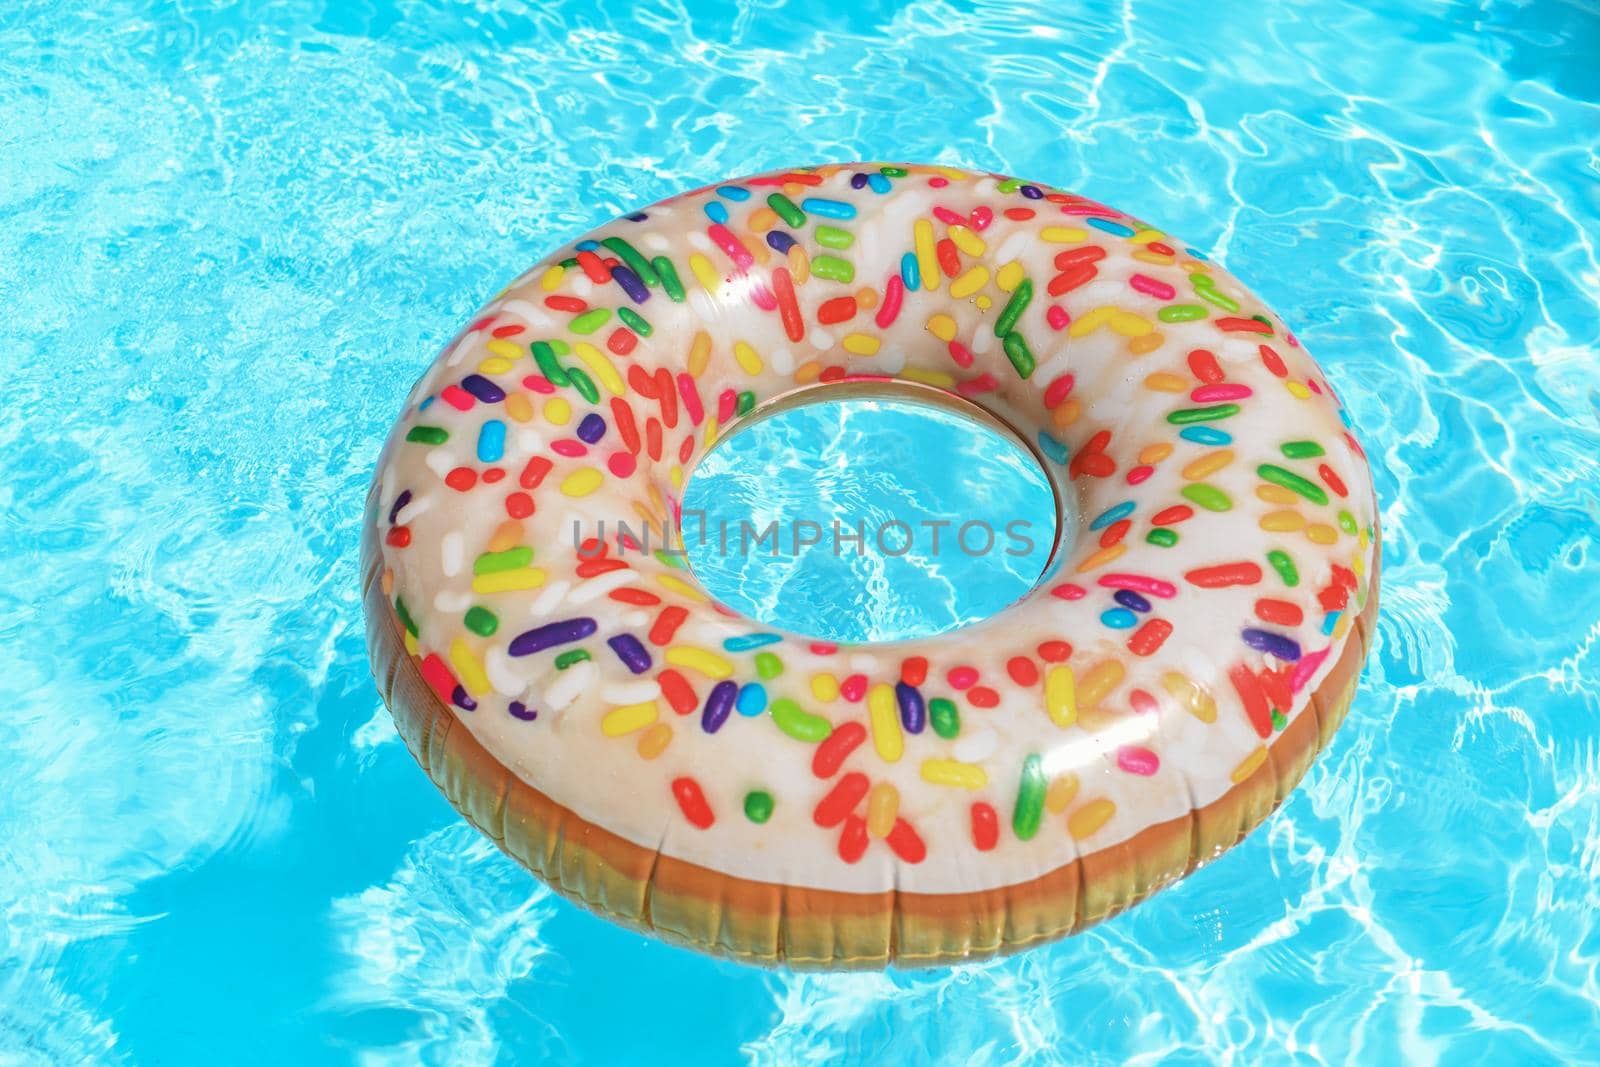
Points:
[(494, 365), (939, 378), (1144, 237), (1286, 520), (955, 174), (1066, 413), (552, 278), (1144, 255), (519, 407), (508, 581), (1276, 494), (711, 431), (1061, 235), (1250, 765), (654, 741), (860, 344), (626, 720), (582, 482), (808, 372), (762, 219), (675, 476), (499, 346), (1196, 700), (1102, 678), (1298, 390), (507, 535), (696, 659), (1361, 539), (602, 367), (469, 668), (883, 807), (1062, 792), (1146, 343), (1010, 276), (1163, 382), (799, 264), (983, 302), (1092, 321), (1102, 557), (969, 282), (677, 585), (1152, 454), (884, 716), (557, 411), (1130, 325), (699, 353), (748, 360), (943, 327), (1320, 533), (710, 280), (967, 241), (1089, 818), (1060, 696), (1343, 625), (1208, 464), (825, 687), (954, 772), (411, 644), (927, 258)]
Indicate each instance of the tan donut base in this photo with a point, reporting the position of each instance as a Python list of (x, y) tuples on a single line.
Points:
[(812, 929)]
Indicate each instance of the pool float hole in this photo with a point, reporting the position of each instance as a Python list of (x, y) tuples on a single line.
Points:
[(871, 512)]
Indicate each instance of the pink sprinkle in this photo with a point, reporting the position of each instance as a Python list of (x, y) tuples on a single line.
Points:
[(1057, 318), (961, 677), (762, 297), (981, 217), (732, 246), (727, 404), (823, 648), (1304, 669), (1207, 394), (456, 397), (1139, 474), (691, 397), (1069, 591), (938, 183), (948, 217), (539, 384), (983, 383), (960, 354), (1138, 760), (853, 688), (568, 447), (621, 464), (1150, 287), (1139, 583), (893, 295), (480, 324)]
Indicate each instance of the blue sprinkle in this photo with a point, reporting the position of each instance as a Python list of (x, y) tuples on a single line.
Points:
[(1329, 621), (1112, 514), (910, 273), (830, 209), (1206, 435), (1272, 644), (491, 441), (591, 429), (587, 246), (878, 183), (1119, 618), (752, 699), (1197, 254), (734, 192), (1052, 448), (780, 241), (716, 212), (745, 642), (426, 404), (1129, 599), (1116, 228)]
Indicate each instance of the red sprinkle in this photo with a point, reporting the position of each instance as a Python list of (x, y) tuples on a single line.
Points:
[(841, 800), (1055, 651), (461, 479), (1241, 573), (832, 752), (679, 693), (1204, 366), (1279, 612), (914, 671), (981, 696), (667, 624), (985, 826), (1022, 670), (398, 537), (961, 677), (1248, 686), (693, 802), (519, 505), (853, 839), (906, 843), (1149, 637)]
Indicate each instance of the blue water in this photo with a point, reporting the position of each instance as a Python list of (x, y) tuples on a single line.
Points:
[(868, 520), (232, 236)]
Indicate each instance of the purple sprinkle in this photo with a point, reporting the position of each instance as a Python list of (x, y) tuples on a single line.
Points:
[(550, 635), (630, 652), (1272, 644), (1032, 192), (460, 699), (913, 712), (858, 180), (483, 389), (1129, 599), (591, 429), (719, 705), (519, 710), (637, 216), (780, 241), (400, 503), (630, 284)]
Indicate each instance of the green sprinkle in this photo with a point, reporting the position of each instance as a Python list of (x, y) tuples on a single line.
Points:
[(509, 560), (768, 665), (1302, 450), (1278, 721), (893, 172), (1162, 536), (834, 269), (833, 237), (945, 718), (1347, 523), (481, 621), (1211, 296), (1181, 313), (571, 656), (545, 357), (1284, 566), (1010, 185), (1021, 297), (1025, 818), (560, 347), (636, 263), (1184, 416), (671, 559), (405, 617), (1207, 496), (798, 723), (1292, 482), (1263, 320), (569, 263), (669, 278), (786, 209), (584, 384), (636, 322), (758, 805), (1017, 352), (590, 320), (746, 403), (428, 435)]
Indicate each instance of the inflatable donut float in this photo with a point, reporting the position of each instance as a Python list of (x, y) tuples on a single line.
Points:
[(773, 798)]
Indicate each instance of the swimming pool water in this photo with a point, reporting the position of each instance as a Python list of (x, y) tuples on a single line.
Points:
[(231, 235)]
